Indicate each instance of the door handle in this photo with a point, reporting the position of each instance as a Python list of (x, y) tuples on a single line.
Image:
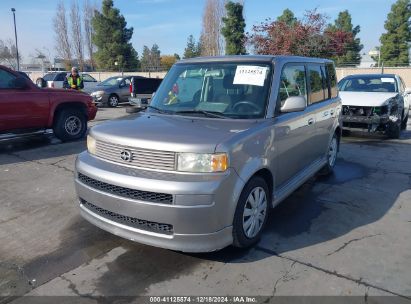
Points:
[(311, 121)]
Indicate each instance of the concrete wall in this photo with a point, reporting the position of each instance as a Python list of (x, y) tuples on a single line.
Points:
[(404, 72), (100, 76)]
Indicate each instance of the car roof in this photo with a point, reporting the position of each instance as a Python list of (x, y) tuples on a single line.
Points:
[(370, 75), (255, 58)]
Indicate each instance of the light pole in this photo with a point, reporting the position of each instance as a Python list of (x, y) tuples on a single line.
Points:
[(15, 35)]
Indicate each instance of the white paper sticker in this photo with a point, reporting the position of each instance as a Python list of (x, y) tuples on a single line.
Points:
[(250, 75), (390, 80)]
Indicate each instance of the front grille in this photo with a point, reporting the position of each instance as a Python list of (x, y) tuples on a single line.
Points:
[(136, 157), (129, 221), (154, 197)]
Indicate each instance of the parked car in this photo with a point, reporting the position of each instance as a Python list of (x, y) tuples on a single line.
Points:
[(375, 102), (142, 91), (116, 90), (224, 140), (56, 79), (26, 109), (112, 91)]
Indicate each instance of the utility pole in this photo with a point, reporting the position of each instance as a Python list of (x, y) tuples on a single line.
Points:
[(15, 35)]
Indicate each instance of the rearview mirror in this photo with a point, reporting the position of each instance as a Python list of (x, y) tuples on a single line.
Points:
[(294, 104), (41, 83), (20, 83)]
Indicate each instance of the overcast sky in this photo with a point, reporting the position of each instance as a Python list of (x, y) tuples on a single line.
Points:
[(169, 22)]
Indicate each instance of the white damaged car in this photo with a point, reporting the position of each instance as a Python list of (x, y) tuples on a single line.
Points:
[(375, 103)]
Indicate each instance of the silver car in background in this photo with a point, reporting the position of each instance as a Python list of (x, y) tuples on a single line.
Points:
[(56, 79), (375, 102), (224, 140)]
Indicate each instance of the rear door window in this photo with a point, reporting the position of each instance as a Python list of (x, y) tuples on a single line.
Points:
[(317, 83), (332, 80), (292, 83)]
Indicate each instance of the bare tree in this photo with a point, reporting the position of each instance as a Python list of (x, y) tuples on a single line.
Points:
[(76, 33), (8, 54), (63, 44), (89, 11), (211, 39)]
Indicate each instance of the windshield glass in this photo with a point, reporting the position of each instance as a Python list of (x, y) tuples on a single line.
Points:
[(49, 76), (111, 81), (368, 84), (227, 90)]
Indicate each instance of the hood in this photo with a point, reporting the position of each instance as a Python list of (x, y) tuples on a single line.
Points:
[(64, 91), (365, 99), (169, 132)]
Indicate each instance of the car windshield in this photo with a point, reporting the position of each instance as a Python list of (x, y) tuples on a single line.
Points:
[(49, 76), (368, 84), (217, 90), (111, 81)]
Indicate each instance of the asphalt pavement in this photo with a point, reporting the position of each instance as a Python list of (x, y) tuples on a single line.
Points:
[(348, 234)]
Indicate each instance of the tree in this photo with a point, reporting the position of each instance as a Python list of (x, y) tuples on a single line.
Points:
[(89, 31), (112, 39), (211, 39), (192, 49), (63, 44), (77, 34), (287, 17), (151, 58), (352, 49), (167, 61), (8, 54), (394, 43), (233, 29), (305, 37)]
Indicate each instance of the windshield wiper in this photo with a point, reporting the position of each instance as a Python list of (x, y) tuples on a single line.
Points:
[(205, 113), (160, 110)]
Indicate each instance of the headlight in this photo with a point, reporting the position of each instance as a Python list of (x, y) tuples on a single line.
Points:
[(193, 162), (91, 145), (98, 94)]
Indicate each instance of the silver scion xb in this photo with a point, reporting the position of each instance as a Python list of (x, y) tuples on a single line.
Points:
[(224, 140)]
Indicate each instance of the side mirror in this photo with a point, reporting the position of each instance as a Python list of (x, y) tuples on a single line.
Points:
[(20, 83), (153, 94), (407, 91), (294, 104), (41, 83)]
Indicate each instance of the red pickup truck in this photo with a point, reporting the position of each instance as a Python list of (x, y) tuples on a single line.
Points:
[(28, 109)]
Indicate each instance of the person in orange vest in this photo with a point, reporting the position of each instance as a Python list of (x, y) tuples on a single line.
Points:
[(73, 81)]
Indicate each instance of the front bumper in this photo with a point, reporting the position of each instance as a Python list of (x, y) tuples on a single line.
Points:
[(200, 215), (92, 112)]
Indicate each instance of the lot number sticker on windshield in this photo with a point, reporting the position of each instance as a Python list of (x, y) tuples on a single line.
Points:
[(250, 75), (390, 80)]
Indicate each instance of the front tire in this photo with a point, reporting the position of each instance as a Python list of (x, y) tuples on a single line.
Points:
[(331, 156), (251, 213), (70, 124), (394, 130), (113, 101), (404, 123)]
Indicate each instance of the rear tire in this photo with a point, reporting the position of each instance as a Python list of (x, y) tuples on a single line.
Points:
[(113, 101), (70, 124), (251, 213)]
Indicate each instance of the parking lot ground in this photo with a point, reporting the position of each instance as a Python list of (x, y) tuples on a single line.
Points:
[(348, 234)]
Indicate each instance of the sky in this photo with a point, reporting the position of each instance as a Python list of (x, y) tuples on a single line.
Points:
[(169, 22)]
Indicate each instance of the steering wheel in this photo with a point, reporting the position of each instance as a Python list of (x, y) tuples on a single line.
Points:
[(247, 103)]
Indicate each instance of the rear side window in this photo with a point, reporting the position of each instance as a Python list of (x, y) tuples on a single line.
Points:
[(332, 80), (61, 77), (317, 83), (147, 86), (6, 80), (292, 83)]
